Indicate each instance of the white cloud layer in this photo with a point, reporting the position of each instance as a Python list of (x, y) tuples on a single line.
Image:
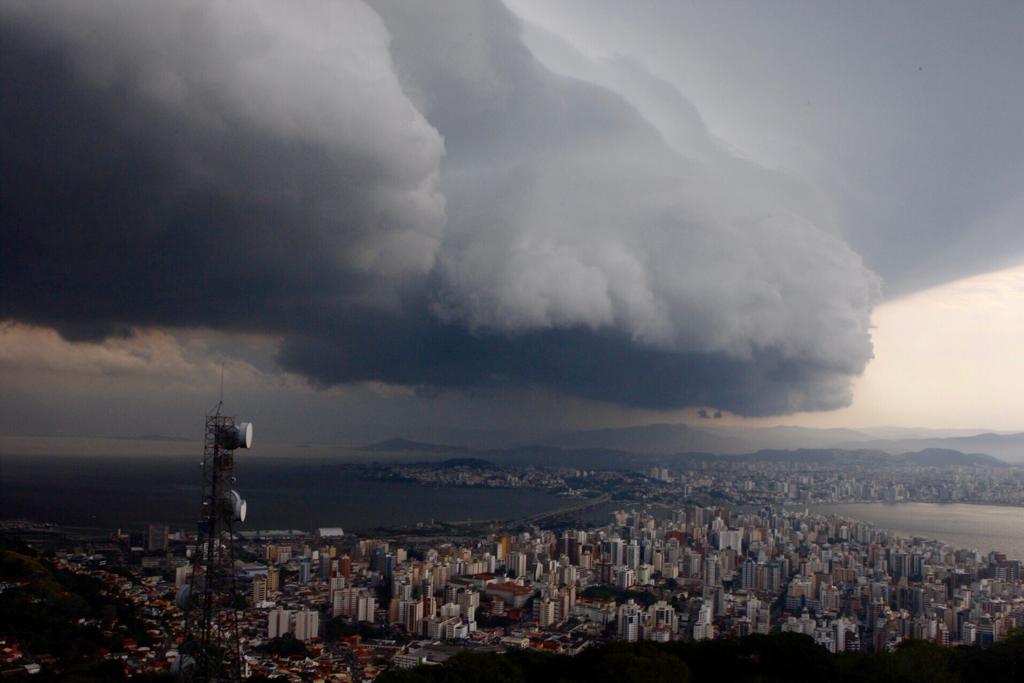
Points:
[(568, 208)]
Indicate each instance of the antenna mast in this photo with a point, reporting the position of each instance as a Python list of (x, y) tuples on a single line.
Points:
[(211, 650)]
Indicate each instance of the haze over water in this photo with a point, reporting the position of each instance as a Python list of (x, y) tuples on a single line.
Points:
[(981, 527), (111, 492), (306, 493)]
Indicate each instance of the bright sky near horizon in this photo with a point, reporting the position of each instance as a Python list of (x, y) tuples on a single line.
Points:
[(947, 357)]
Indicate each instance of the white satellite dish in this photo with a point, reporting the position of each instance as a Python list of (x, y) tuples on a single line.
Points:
[(184, 593), (236, 436), (183, 664), (244, 434), (238, 505)]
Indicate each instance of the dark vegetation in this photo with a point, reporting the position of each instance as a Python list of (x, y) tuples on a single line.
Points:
[(619, 595), (754, 659), (488, 621), (284, 646), (61, 618), (339, 627)]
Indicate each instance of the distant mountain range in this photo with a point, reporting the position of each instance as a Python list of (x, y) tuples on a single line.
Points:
[(709, 437), (938, 457), (931, 457), (652, 439), (681, 438), (407, 446), (1008, 447)]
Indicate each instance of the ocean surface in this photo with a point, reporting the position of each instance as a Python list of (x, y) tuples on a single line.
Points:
[(981, 527), (291, 493), (306, 493)]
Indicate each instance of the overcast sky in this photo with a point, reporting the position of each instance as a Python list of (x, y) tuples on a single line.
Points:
[(431, 219)]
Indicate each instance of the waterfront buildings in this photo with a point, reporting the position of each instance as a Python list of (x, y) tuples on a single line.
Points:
[(691, 572)]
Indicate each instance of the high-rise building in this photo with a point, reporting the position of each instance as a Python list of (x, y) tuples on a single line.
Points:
[(774, 576), (839, 634), (516, 564), (410, 613), (567, 575), (748, 574), (366, 608), (156, 537), (616, 554), (625, 577), (503, 547), (730, 538), (340, 599), (469, 601), (704, 629), (273, 580), (182, 574), (356, 603), (306, 625), (629, 619), (661, 618), (327, 564), (565, 603), (632, 555), (259, 590), (712, 571), (429, 605), (544, 611), (278, 622)]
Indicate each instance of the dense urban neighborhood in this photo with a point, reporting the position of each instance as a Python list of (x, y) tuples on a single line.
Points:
[(619, 563)]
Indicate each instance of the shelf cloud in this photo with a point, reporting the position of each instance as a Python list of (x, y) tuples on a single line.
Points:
[(402, 193)]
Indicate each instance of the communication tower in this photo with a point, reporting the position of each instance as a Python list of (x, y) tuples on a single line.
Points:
[(211, 648)]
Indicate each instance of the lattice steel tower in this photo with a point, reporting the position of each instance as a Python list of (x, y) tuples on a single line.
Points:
[(211, 650)]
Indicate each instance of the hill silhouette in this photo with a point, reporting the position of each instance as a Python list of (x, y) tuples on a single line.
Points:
[(757, 658)]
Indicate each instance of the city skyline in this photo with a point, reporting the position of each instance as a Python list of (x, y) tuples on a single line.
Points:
[(430, 341)]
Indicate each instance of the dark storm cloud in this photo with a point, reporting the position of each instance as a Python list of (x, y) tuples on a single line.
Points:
[(168, 163), (603, 366), (257, 167)]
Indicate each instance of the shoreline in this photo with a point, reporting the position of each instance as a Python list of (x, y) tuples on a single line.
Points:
[(979, 503), (998, 540)]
